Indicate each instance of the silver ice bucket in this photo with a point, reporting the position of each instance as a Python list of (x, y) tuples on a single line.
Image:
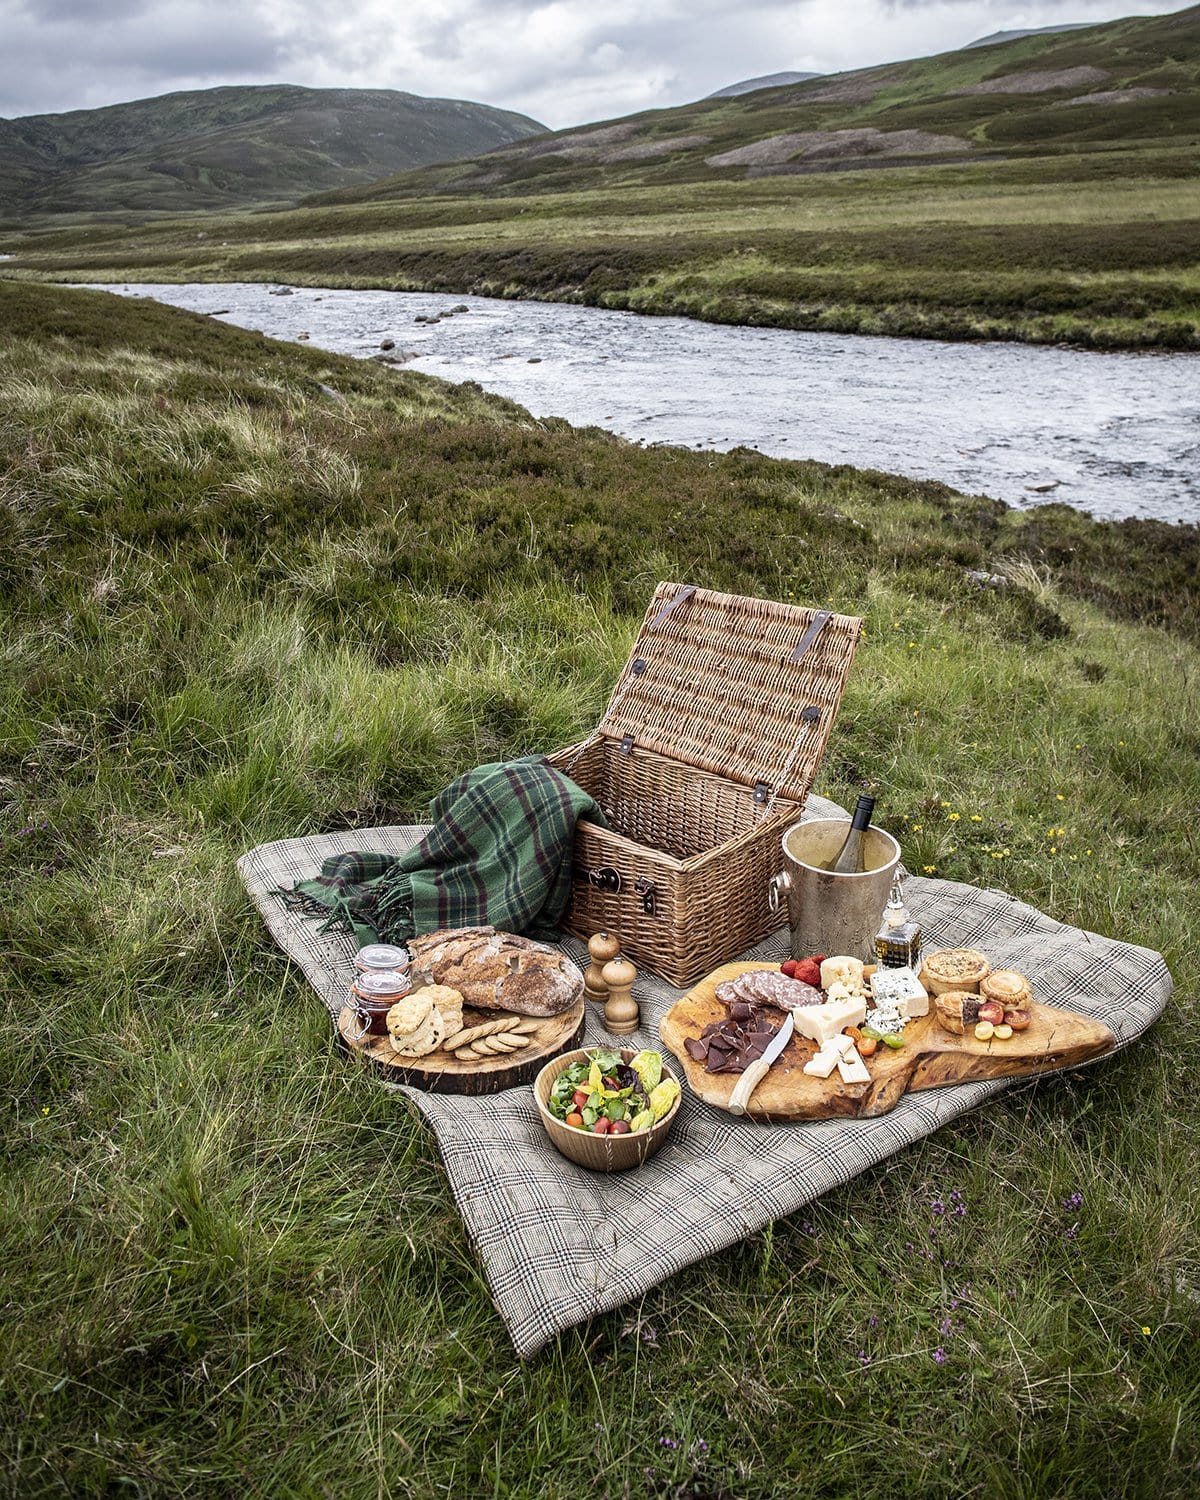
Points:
[(830, 913)]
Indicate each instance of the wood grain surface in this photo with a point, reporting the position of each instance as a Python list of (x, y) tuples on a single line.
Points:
[(931, 1058), (443, 1073)]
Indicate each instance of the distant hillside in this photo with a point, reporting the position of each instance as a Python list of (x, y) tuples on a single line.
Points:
[(1013, 36), (1132, 81), (768, 81), (233, 147)]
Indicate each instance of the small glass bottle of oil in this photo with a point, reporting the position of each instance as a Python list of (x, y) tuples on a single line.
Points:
[(898, 941)]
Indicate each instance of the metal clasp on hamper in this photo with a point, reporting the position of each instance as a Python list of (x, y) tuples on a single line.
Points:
[(605, 878), (646, 890)]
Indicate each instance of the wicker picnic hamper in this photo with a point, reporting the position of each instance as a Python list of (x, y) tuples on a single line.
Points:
[(703, 758)]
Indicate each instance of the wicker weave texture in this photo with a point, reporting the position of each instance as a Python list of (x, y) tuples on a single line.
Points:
[(720, 691), (703, 843)]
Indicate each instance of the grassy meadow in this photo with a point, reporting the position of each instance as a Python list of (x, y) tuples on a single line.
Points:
[(236, 608), (1099, 251)]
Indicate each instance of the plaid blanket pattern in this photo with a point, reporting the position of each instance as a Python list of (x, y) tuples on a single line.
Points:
[(543, 1228), (499, 852)]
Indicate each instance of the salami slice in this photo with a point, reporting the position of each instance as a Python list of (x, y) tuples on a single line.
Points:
[(769, 987)]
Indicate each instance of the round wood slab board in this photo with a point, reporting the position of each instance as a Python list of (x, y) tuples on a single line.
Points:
[(443, 1073), (930, 1058)]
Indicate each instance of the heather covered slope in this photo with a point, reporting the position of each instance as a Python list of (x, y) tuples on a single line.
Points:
[(1128, 82), (231, 147)]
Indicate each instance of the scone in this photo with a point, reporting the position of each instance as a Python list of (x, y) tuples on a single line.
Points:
[(448, 1003), (415, 1025), (959, 969)]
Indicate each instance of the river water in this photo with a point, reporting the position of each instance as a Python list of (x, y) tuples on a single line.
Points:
[(1117, 435)]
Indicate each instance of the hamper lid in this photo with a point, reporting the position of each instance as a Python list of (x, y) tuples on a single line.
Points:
[(745, 688)]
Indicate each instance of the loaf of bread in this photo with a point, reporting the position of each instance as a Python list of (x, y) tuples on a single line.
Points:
[(497, 970)]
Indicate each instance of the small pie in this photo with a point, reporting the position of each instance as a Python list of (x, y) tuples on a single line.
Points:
[(956, 1010), (1010, 988), (959, 969)]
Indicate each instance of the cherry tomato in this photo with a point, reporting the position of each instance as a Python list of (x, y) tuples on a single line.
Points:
[(576, 1119), (579, 1098), (867, 1046), (602, 1126), (619, 1127)]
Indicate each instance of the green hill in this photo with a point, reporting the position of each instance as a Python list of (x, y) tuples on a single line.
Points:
[(1045, 189), (233, 147), (1128, 81)]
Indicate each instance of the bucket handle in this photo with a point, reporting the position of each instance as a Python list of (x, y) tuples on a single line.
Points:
[(777, 891)]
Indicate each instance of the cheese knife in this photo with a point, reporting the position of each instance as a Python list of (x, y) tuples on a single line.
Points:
[(757, 1070)]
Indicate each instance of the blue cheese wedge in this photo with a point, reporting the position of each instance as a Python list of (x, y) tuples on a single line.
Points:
[(899, 989)]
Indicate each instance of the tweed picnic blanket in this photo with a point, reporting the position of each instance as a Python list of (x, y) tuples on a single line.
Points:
[(499, 853), (559, 1244)]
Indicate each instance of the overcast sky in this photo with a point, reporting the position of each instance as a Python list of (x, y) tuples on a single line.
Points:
[(561, 61)]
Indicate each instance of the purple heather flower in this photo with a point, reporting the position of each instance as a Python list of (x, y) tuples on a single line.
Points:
[(939, 1355)]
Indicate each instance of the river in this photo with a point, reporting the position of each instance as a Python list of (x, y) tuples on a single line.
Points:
[(1117, 435)]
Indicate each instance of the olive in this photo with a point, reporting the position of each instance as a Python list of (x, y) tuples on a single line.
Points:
[(619, 1127)]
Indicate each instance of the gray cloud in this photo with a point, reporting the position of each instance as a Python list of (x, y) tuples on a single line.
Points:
[(563, 61)]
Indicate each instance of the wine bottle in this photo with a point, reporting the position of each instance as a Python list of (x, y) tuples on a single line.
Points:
[(849, 860)]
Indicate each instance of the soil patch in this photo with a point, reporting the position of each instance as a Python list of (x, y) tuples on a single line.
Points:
[(645, 150), (1112, 96), (1038, 83), (832, 145)]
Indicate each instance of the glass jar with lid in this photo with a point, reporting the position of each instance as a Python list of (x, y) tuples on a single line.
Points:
[(373, 994)]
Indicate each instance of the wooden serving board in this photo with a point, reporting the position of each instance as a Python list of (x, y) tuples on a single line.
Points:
[(931, 1058), (443, 1073)]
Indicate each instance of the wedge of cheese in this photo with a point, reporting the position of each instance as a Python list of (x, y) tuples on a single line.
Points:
[(853, 1069), (820, 1022), (823, 1064), (829, 1056)]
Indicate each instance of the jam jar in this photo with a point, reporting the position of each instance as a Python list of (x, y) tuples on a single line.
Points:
[(373, 994)]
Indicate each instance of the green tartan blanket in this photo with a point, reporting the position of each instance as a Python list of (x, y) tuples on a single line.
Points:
[(499, 854)]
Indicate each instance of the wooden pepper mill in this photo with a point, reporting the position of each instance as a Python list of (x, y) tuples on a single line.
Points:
[(621, 1013), (602, 947)]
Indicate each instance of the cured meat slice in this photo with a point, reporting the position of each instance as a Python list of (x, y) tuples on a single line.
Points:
[(772, 988)]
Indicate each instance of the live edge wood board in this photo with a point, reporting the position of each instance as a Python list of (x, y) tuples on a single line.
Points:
[(931, 1058), (443, 1073)]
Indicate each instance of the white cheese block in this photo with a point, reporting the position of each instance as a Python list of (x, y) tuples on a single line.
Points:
[(842, 969), (853, 1069), (824, 1063), (821, 1022)]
